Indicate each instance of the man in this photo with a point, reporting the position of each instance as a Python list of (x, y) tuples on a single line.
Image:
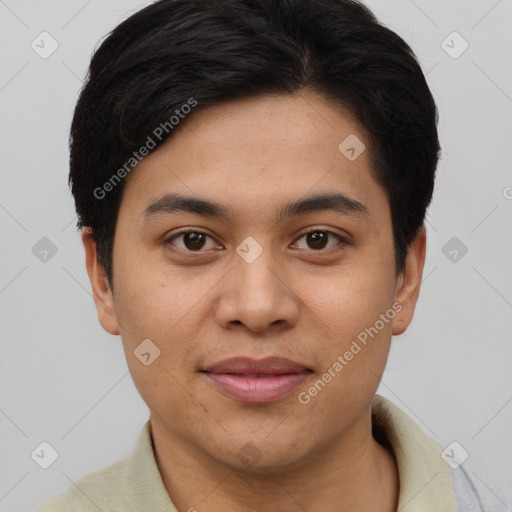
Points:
[(252, 178)]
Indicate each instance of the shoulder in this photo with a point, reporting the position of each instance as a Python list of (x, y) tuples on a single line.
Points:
[(422, 468), (57, 504), (130, 484), (473, 495), (467, 496), (100, 490)]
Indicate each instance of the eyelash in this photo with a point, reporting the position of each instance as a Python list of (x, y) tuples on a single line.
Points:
[(341, 239)]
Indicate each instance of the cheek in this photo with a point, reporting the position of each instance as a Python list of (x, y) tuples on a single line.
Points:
[(348, 308), (149, 309), (355, 346), (351, 299), (167, 309), (144, 300)]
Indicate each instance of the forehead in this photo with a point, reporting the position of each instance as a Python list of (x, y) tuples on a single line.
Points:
[(265, 151)]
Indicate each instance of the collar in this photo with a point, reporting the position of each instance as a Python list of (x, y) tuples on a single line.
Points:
[(425, 480)]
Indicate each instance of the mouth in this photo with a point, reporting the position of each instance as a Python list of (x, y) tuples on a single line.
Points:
[(257, 381)]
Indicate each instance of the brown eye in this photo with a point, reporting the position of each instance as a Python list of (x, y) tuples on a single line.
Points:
[(319, 239), (191, 241)]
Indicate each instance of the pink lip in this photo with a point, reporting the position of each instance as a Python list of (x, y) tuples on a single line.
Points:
[(257, 381)]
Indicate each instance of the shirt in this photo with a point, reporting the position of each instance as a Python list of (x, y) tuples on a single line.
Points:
[(427, 483)]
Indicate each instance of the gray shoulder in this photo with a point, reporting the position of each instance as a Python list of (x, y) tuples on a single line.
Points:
[(466, 494), (475, 497)]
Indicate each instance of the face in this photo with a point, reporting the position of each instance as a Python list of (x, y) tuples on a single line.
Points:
[(284, 249)]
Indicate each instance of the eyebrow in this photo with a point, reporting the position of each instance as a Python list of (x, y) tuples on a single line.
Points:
[(173, 203)]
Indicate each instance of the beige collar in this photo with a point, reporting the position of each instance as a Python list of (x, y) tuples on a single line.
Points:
[(425, 480)]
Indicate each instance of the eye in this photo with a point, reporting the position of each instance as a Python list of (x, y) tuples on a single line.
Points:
[(195, 241), (191, 241), (318, 239)]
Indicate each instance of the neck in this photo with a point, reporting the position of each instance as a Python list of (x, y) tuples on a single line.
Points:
[(353, 473)]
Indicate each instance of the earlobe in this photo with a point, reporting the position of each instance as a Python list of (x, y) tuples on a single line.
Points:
[(409, 282), (103, 297)]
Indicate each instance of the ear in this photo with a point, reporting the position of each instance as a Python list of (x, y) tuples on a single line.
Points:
[(409, 282), (103, 297)]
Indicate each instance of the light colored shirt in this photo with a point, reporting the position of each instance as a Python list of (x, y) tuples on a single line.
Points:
[(427, 483)]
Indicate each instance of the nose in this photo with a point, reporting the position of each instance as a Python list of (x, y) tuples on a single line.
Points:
[(257, 295)]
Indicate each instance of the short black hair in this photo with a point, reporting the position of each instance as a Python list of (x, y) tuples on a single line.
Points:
[(198, 52)]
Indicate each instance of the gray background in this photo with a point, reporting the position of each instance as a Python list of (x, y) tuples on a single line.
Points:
[(65, 381)]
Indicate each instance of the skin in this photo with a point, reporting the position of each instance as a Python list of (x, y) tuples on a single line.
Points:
[(295, 300)]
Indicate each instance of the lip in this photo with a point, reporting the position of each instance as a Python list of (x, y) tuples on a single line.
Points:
[(257, 381)]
